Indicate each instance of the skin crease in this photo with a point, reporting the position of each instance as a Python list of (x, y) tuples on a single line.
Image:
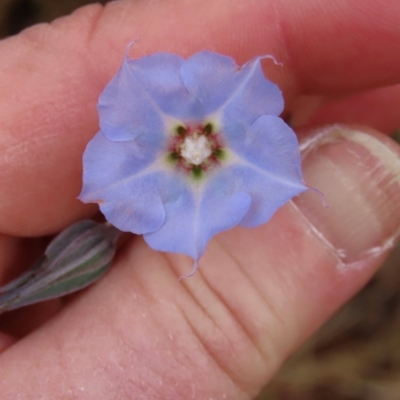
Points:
[(139, 333)]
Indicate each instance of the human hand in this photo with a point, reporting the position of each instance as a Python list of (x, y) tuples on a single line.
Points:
[(259, 293)]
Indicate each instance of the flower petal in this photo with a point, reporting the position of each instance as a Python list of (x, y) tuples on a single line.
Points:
[(159, 75), (268, 167), (267, 192), (123, 180), (211, 78), (125, 108), (196, 213), (271, 145), (256, 96), (216, 81)]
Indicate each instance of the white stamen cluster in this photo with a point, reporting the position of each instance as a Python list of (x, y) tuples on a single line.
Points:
[(195, 149)]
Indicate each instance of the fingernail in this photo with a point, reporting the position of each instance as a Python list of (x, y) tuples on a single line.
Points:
[(359, 175)]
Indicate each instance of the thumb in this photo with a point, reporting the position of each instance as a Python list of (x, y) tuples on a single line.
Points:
[(258, 294), (359, 174)]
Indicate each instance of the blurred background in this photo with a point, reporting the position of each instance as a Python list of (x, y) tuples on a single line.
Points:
[(356, 355)]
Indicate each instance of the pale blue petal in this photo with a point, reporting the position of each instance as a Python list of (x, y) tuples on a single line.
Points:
[(271, 145), (196, 213), (120, 177), (267, 193), (217, 81), (255, 97), (159, 75), (211, 78), (125, 108), (268, 168), (134, 205)]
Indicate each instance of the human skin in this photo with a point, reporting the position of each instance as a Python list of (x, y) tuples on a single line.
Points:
[(139, 333)]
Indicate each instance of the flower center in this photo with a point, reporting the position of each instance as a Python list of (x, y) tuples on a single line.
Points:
[(196, 148)]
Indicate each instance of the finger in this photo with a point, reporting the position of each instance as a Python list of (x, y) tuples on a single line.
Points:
[(139, 333), (8, 252), (343, 47), (377, 108), (51, 76), (18, 254), (5, 341), (21, 322)]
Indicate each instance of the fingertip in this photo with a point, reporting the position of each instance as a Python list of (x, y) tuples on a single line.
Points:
[(358, 170)]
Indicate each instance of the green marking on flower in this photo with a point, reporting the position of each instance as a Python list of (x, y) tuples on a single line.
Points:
[(220, 154), (173, 158), (208, 129), (197, 173), (181, 130)]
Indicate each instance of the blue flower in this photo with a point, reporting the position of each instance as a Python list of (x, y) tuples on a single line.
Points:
[(188, 148)]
